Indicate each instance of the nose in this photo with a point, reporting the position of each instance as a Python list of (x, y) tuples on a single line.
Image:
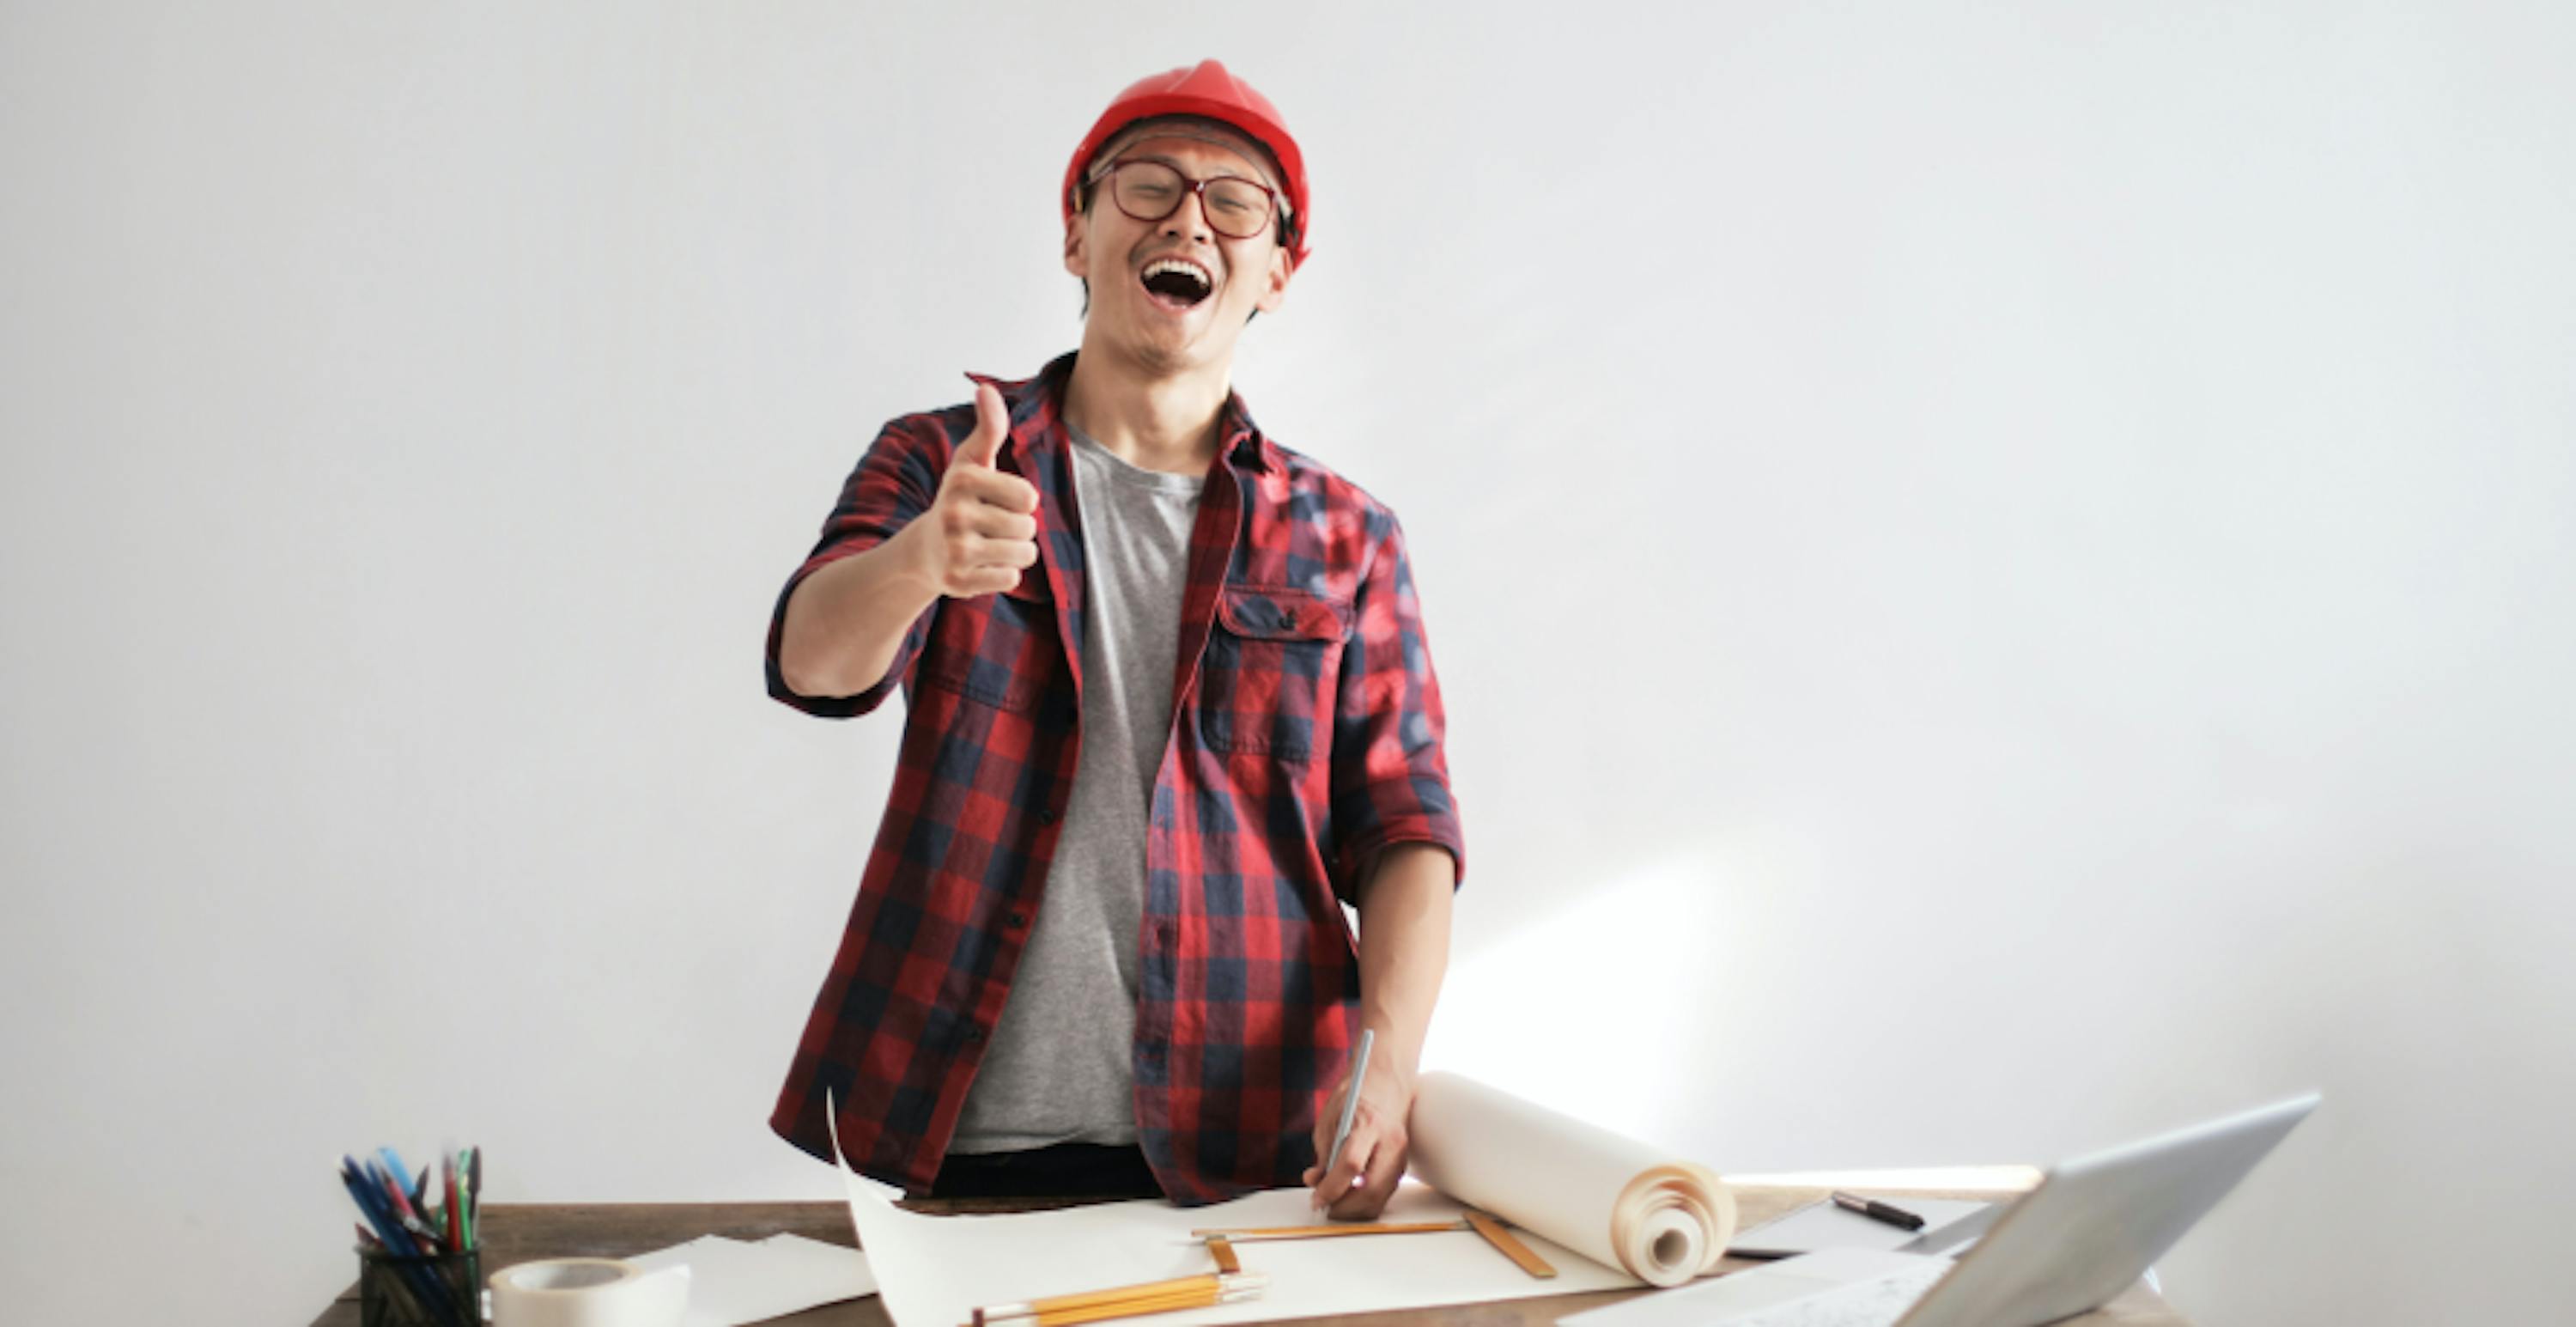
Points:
[(1190, 219)]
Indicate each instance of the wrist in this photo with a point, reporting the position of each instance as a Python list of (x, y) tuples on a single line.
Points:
[(914, 565), (1395, 1049)]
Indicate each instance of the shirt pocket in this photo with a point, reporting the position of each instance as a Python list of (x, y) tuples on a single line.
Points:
[(995, 648), (1266, 681)]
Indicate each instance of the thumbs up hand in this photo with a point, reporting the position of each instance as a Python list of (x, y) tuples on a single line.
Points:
[(983, 524)]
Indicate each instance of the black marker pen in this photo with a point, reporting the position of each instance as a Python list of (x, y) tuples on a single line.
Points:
[(1878, 1211)]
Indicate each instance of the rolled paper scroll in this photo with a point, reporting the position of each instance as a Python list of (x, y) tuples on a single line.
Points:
[(1612, 1199)]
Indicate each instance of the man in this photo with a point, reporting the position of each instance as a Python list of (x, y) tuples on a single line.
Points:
[(1169, 705)]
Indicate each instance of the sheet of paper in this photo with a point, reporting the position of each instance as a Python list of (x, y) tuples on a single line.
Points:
[(1821, 1225), (733, 1282), (933, 1271), (850, 1260), (1837, 1281), (1876, 1303)]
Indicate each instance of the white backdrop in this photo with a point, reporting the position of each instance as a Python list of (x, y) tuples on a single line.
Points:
[(2001, 573)]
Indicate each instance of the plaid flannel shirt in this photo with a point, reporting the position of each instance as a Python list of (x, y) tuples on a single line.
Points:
[(1306, 736)]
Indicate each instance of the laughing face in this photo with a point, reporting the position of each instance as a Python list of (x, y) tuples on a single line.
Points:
[(1174, 294)]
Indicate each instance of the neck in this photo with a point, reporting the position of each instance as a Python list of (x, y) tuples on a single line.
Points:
[(1151, 419)]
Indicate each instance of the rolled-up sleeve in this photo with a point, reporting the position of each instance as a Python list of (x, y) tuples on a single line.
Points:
[(1390, 775), (893, 483)]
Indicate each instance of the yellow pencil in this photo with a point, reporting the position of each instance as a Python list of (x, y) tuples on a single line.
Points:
[(1206, 1288), (1336, 1229), (1129, 1308)]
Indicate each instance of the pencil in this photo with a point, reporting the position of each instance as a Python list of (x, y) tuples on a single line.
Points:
[(1138, 1307), (1121, 1301), (1329, 1232), (1351, 1103)]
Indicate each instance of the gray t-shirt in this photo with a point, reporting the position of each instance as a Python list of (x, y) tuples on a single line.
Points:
[(1058, 1066)]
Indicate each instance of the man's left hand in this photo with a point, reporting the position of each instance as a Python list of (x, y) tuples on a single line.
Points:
[(1357, 1184)]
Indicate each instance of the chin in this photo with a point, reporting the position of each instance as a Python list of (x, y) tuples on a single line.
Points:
[(1185, 346)]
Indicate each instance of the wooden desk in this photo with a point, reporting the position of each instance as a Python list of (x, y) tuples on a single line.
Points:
[(518, 1233)]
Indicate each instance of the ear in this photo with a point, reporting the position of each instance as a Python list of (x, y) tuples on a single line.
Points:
[(1274, 284), (1076, 260)]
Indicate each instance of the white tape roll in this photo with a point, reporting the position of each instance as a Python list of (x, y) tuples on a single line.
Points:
[(588, 1292)]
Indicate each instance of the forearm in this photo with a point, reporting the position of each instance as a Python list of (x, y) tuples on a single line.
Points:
[(845, 622), (1404, 947)]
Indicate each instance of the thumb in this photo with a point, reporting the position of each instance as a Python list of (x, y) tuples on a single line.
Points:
[(984, 445)]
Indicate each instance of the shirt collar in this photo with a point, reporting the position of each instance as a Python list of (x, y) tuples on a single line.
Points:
[(1036, 406)]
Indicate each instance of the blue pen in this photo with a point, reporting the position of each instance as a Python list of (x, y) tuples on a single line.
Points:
[(369, 1187), (379, 1214), (371, 1202)]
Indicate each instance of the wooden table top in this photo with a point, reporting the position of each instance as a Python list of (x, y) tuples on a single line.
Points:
[(517, 1233)]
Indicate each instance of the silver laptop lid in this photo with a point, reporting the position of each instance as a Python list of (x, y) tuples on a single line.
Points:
[(2095, 1224)]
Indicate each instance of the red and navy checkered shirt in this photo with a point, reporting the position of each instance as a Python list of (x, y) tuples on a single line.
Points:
[(1306, 736)]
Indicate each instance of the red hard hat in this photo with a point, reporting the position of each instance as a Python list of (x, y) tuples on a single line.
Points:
[(1203, 89)]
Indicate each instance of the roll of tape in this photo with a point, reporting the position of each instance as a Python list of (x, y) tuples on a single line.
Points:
[(588, 1292)]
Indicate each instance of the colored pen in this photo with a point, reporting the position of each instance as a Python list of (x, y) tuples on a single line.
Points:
[(1878, 1211), (368, 1192), (370, 1197), (404, 1214), (394, 1165), (390, 1181)]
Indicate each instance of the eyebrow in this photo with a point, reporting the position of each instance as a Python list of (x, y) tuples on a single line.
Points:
[(1175, 163)]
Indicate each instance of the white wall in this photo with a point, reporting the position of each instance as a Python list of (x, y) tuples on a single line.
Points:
[(2002, 576)]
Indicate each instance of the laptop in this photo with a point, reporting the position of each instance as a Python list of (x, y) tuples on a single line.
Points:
[(2089, 1231)]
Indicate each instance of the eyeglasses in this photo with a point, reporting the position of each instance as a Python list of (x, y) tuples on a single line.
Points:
[(1235, 207)]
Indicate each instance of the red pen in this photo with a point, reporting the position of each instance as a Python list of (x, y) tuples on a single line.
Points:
[(447, 1172), (403, 1210), (394, 1194)]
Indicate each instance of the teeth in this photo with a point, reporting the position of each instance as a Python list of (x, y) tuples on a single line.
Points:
[(1193, 270)]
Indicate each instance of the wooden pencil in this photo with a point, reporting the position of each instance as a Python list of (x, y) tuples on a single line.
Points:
[(1205, 1288), (1129, 1308), (1332, 1231)]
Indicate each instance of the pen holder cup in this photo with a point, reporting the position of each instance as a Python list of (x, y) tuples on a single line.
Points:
[(425, 1290)]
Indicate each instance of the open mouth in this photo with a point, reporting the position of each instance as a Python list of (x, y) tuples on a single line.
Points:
[(1177, 284)]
